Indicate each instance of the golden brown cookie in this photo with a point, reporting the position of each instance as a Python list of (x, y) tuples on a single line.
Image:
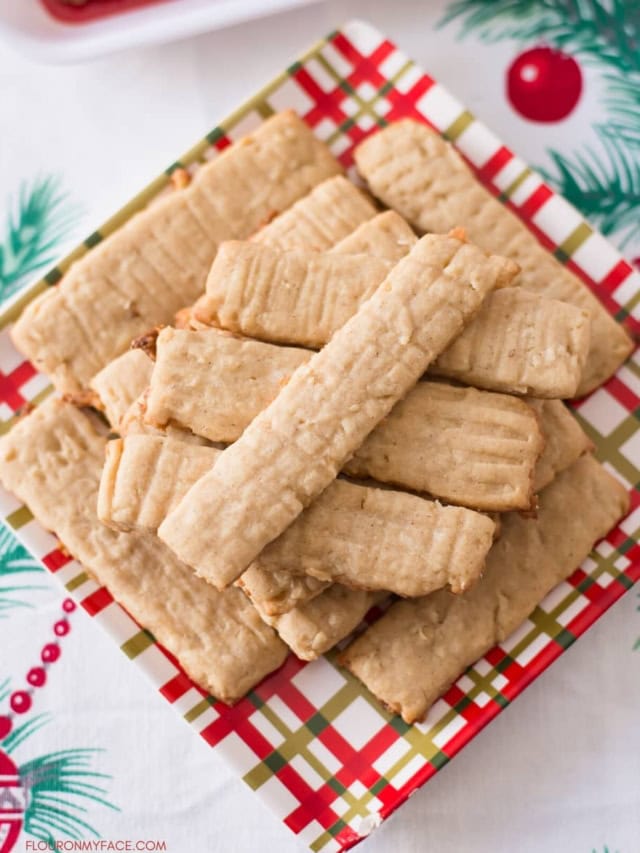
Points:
[(295, 447), (52, 461), (413, 170), (158, 261), (419, 647)]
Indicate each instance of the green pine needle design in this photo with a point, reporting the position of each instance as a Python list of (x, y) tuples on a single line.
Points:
[(59, 784), (604, 186), (23, 731), (623, 103), (603, 31), (16, 564), (38, 220)]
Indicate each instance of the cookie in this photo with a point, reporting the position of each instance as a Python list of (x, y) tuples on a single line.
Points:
[(564, 441), (416, 650), (369, 538), (464, 446), (213, 383), (52, 461), (120, 383), (157, 262), (387, 236), (277, 591), (144, 477), (295, 447), (315, 627), (295, 297), (364, 537), (330, 212), (412, 169), (521, 344)]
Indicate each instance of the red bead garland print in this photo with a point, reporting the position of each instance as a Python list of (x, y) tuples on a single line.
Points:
[(21, 701), (544, 84), (37, 676), (50, 653)]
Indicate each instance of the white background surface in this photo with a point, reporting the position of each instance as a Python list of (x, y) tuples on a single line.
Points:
[(558, 771)]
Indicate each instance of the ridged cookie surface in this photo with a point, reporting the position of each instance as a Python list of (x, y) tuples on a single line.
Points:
[(413, 170), (293, 449), (52, 461), (465, 446), (158, 261), (418, 648)]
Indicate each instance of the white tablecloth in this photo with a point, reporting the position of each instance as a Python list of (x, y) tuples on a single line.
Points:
[(560, 769)]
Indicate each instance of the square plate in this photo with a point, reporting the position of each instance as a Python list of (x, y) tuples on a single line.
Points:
[(310, 740)]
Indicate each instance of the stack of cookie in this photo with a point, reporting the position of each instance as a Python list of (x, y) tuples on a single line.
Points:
[(344, 413)]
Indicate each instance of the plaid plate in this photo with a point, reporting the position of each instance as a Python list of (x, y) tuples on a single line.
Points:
[(310, 740)]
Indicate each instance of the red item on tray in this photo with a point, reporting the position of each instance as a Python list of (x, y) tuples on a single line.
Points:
[(82, 11)]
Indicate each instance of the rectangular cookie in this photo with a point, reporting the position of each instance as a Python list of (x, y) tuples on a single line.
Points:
[(295, 447), (157, 262), (52, 461), (387, 236), (416, 650), (369, 538), (564, 441), (363, 537), (331, 211), (120, 383), (278, 591), (521, 344), (213, 383), (144, 477), (412, 169), (312, 628), (468, 447), (133, 423), (294, 297), (318, 222)]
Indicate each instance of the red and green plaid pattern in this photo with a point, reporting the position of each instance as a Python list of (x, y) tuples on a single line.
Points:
[(310, 739)]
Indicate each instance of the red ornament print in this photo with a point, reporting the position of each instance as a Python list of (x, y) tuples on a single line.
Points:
[(6, 724), (544, 84), (13, 803)]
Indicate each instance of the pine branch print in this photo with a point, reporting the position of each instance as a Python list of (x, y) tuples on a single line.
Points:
[(605, 187), (604, 31), (58, 785), (16, 568), (623, 102), (38, 221), (22, 732)]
